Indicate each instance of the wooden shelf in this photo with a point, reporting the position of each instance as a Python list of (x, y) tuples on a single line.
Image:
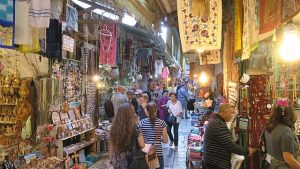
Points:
[(71, 122), (8, 104), (8, 123), (62, 139), (81, 147)]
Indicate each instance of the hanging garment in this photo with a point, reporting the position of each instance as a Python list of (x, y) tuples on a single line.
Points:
[(53, 40), (238, 12), (7, 23), (89, 56), (39, 13), (142, 56), (108, 43), (72, 18), (21, 23), (56, 7), (165, 73), (34, 45), (159, 65)]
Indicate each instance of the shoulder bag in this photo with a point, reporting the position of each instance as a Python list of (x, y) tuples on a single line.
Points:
[(152, 151), (136, 159), (171, 119)]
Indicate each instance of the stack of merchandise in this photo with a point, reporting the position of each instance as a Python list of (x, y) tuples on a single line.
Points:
[(195, 146)]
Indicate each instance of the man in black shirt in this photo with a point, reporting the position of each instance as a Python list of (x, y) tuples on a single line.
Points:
[(218, 141), (131, 99)]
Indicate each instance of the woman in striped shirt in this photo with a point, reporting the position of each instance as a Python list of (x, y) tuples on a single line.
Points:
[(152, 126)]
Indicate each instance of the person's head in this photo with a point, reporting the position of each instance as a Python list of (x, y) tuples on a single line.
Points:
[(148, 94), (122, 128), (281, 115), (130, 94), (151, 112), (121, 89), (173, 96), (143, 98), (165, 93), (226, 111)]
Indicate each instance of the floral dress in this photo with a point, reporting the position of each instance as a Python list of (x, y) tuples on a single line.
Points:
[(119, 160)]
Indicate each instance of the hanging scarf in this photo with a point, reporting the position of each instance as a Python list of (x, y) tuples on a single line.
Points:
[(238, 12)]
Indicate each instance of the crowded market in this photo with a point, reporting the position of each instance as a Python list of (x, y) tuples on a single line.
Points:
[(146, 84)]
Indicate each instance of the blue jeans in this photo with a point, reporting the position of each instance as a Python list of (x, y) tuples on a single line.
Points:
[(175, 138), (161, 162)]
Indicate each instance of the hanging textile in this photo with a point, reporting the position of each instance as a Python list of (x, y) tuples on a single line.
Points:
[(54, 39), (143, 58), (108, 43), (245, 39), (119, 51), (158, 65), (7, 21), (210, 57), (72, 18), (39, 13), (238, 25), (56, 7), (165, 73), (21, 23), (253, 23), (200, 31), (34, 45), (289, 9), (270, 15)]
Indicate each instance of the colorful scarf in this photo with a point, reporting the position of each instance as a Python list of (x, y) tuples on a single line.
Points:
[(238, 25), (108, 43), (7, 22)]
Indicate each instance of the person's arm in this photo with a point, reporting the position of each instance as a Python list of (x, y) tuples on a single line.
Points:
[(180, 112), (110, 151), (165, 135), (290, 160), (224, 138), (287, 146), (141, 141)]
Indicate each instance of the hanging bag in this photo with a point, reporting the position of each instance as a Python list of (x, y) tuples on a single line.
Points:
[(136, 159)]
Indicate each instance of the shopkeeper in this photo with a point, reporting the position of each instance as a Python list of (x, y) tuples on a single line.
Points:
[(218, 141)]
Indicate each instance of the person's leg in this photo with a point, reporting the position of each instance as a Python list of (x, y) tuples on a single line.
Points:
[(161, 162), (176, 126), (170, 133)]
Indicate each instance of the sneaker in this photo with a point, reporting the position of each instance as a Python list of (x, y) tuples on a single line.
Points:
[(171, 143), (176, 147)]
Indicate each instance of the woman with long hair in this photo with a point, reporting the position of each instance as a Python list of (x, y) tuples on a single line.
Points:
[(175, 109), (121, 137), (154, 131), (282, 143)]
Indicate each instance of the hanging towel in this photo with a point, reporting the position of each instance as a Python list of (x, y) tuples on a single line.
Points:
[(21, 25), (72, 18), (7, 21), (56, 7), (39, 13)]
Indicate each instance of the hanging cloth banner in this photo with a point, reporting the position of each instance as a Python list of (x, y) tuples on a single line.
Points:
[(238, 28), (210, 57), (7, 21), (245, 39), (270, 15), (200, 29), (108, 43)]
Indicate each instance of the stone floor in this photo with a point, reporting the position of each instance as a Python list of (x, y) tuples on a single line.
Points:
[(174, 158)]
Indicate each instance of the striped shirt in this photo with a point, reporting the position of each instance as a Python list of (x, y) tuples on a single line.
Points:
[(149, 133), (218, 144)]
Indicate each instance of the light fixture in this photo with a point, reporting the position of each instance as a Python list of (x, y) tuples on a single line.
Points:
[(81, 4), (203, 78), (195, 75), (199, 50), (128, 20), (290, 46), (96, 78), (106, 14), (169, 79)]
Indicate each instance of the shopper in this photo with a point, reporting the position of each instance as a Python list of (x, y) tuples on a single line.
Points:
[(162, 104), (218, 141), (131, 99), (118, 98), (154, 131), (141, 109), (121, 134), (183, 95), (175, 109), (284, 143)]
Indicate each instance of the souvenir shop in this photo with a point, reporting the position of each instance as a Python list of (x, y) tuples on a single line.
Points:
[(58, 67), (258, 69)]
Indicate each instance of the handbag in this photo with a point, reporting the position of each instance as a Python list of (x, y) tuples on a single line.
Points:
[(152, 151), (136, 159), (171, 119)]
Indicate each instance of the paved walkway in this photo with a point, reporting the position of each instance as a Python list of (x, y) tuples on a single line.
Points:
[(174, 159)]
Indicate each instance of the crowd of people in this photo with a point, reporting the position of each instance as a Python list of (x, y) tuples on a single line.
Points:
[(141, 122)]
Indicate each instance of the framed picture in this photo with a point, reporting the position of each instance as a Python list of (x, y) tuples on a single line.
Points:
[(56, 118), (64, 117)]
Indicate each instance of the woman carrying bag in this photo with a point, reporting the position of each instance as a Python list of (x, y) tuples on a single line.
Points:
[(154, 131)]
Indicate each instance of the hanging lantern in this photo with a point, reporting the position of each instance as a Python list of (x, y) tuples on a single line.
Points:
[(289, 49)]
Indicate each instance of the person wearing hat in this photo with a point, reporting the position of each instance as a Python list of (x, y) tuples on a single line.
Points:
[(131, 99), (218, 141)]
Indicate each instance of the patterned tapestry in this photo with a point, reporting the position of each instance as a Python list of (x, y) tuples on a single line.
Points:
[(200, 29), (7, 20), (108, 43), (289, 9), (270, 15), (210, 57)]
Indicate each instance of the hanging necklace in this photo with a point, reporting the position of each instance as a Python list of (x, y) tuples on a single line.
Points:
[(294, 88)]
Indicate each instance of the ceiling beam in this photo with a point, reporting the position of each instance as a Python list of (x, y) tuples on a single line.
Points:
[(167, 5), (145, 12), (94, 5), (161, 6)]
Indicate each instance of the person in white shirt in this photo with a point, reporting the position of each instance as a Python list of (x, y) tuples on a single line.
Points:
[(175, 109)]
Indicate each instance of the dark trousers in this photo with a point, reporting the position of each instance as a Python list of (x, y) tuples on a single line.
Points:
[(210, 166), (161, 162), (175, 127)]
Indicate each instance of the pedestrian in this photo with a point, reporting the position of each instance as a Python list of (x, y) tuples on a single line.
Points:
[(218, 141), (118, 98), (132, 99), (143, 100), (123, 128), (162, 105), (183, 95), (284, 143), (175, 110), (154, 131)]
